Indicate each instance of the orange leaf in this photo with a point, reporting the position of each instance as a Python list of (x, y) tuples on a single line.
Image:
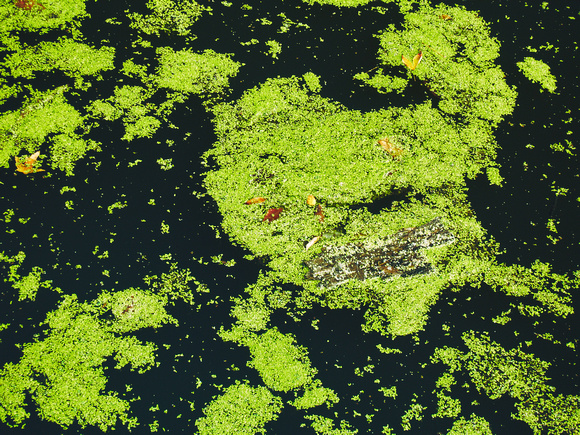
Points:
[(310, 200), (28, 166), (255, 200), (445, 17), (416, 60)]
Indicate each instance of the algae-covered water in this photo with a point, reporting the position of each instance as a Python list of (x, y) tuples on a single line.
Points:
[(283, 217)]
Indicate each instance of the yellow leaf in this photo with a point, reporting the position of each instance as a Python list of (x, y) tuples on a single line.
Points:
[(412, 65)]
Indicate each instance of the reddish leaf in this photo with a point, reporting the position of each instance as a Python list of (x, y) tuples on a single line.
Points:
[(319, 213), (272, 214), (28, 5)]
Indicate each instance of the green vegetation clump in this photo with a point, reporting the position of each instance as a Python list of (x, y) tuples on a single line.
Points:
[(49, 119), (457, 64), (474, 426), (314, 395), (197, 73), (551, 292), (241, 409), (39, 19), (308, 171), (281, 142), (63, 373), (43, 115), (497, 372), (339, 3), (27, 286), (325, 426), (74, 58), (292, 173), (168, 16), (283, 366), (538, 72)]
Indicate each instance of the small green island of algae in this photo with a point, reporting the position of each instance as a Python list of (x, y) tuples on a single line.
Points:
[(296, 176)]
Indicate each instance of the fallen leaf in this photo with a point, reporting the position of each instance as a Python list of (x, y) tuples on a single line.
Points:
[(445, 17), (312, 242), (310, 200), (28, 166), (319, 213), (390, 147), (272, 214), (416, 60), (255, 200)]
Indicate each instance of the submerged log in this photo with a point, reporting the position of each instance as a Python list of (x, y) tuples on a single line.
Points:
[(398, 255)]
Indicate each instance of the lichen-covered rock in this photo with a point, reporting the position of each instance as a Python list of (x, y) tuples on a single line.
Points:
[(397, 255)]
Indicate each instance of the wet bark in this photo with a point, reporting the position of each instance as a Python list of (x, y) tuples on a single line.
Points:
[(397, 255)]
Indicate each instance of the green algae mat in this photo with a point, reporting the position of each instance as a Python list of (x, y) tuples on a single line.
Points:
[(286, 217)]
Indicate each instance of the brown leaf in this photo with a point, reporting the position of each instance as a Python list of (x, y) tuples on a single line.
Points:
[(319, 213)]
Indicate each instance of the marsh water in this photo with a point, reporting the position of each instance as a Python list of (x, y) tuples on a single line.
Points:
[(194, 362)]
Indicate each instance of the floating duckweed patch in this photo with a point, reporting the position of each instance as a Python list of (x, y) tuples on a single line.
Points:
[(28, 285), (167, 16), (50, 120), (538, 72), (475, 425), (496, 372), (241, 409), (325, 426), (457, 63), (41, 18), (188, 72), (315, 395), (306, 171), (65, 366), (75, 59), (281, 143), (340, 3), (282, 365)]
